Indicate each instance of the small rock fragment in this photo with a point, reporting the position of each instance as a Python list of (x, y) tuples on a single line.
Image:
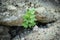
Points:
[(11, 7), (35, 28), (22, 38)]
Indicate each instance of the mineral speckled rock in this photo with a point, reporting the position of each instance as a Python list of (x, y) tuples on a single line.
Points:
[(11, 13), (45, 15), (12, 17), (1, 29), (44, 34), (50, 33), (11, 7), (35, 28), (4, 35)]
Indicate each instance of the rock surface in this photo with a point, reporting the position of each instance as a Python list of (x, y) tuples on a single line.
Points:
[(12, 17), (11, 12), (4, 35), (50, 33), (45, 15)]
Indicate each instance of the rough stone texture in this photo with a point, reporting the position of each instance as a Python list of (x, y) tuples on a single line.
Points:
[(1, 29), (50, 33), (11, 12), (45, 15), (12, 17), (4, 35), (45, 34)]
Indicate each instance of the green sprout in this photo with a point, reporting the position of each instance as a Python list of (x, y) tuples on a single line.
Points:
[(29, 18)]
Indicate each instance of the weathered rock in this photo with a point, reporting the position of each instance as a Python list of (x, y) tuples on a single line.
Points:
[(11, 7), (45, 15), (12, 11), (44, 33), (12, 17), (35, 28), (10, 14), (1, 29), (4, 35)]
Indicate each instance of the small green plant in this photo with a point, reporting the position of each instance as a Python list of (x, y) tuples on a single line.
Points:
[(29, 18)]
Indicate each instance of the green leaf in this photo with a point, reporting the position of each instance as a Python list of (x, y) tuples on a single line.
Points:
[(29, 18), (30, 25), (25, 25), (32, 16)]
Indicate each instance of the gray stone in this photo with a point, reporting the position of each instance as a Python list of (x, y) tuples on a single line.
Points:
[(11, 7), (1, 29), (12, 11), (45, 15), (44, 33), (12, 17), (4, 35), (35, 28)]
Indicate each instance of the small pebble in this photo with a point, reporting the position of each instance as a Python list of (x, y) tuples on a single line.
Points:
[(22, 38), (11, 7), (35, 28)]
